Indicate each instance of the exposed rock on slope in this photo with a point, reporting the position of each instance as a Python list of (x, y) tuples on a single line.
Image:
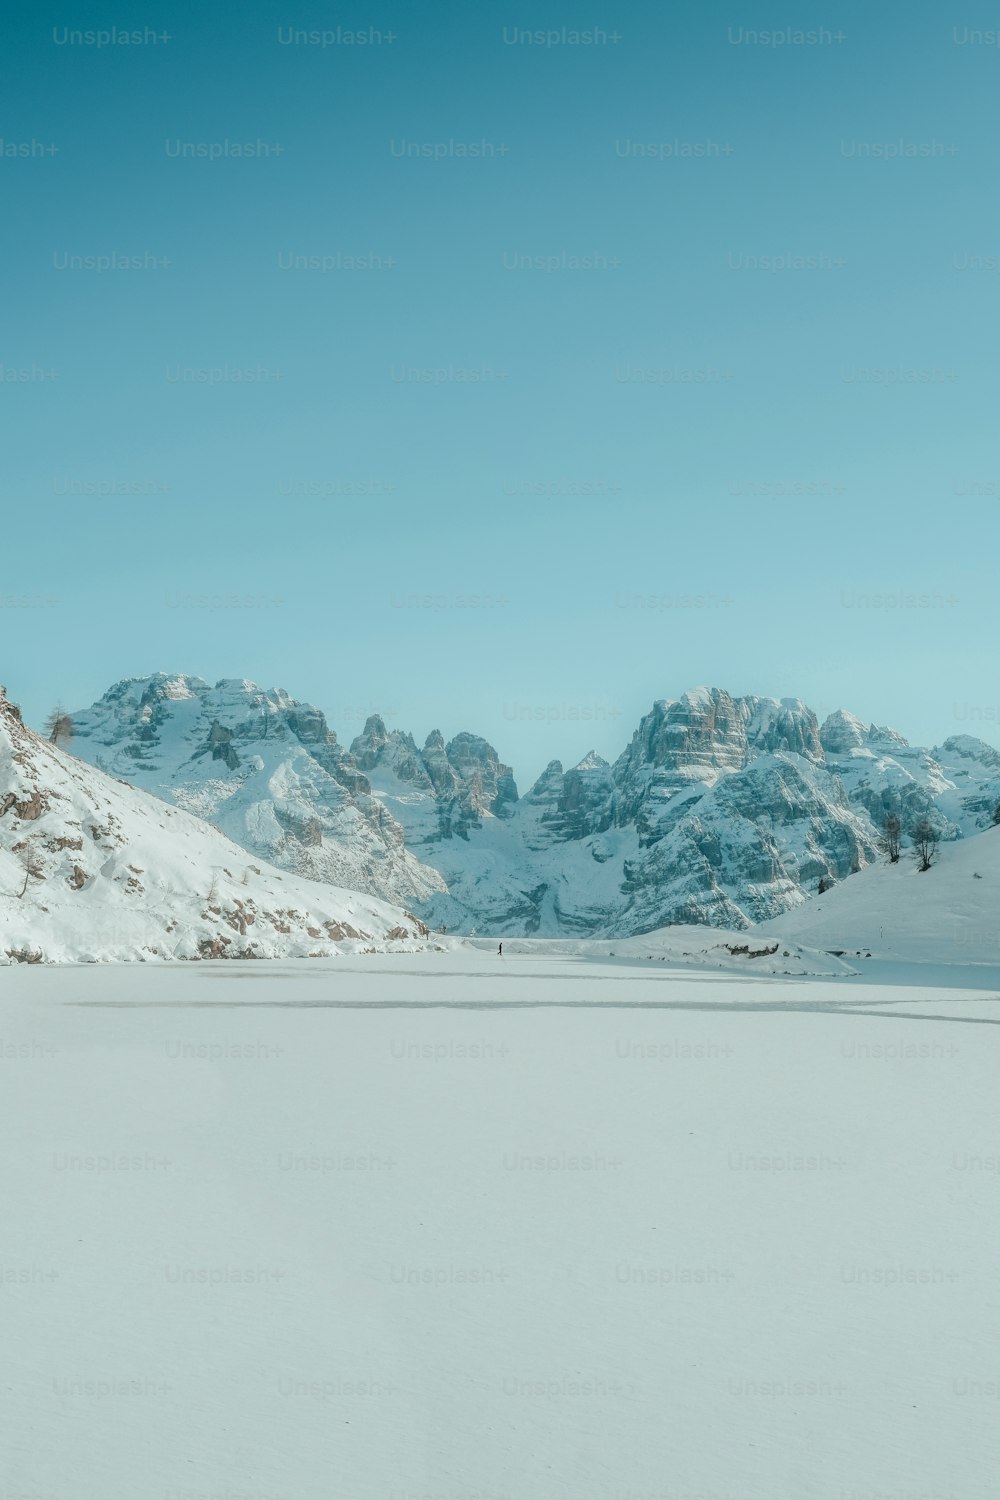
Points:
[(93, 869), (465, 777), (722, 810)]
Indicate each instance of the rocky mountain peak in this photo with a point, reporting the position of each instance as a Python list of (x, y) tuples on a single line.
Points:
[(696, 737), (782, 724), (968, 747), (489, 783), (881, 735), (548, 785), (843, 732), (367, 747), (172, 686), (590, 762)]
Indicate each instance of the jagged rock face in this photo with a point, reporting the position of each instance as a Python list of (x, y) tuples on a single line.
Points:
[(570, 804), (842, 732), (490, 785), (465, 778), (744, 849), (369, 745), (264, 768), (703, 736), (676, 747), (220, 742), (693, 739), (444, 780), (788, 725)]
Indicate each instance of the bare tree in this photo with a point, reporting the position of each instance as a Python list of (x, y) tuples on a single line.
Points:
[(925, 842), (33, 869), (893, 829), (59, 726)]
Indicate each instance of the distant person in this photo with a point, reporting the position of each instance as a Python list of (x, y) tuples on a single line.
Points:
[(500, 951)]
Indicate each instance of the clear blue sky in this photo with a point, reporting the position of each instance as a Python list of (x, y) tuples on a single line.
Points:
[(583, 508)]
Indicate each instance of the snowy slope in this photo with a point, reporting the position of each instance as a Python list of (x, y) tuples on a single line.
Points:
[(947, 914), (724, 1239), (92, 869)]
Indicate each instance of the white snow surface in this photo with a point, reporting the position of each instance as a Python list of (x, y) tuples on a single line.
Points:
[(947, 914), (546, 1227), (690, 947)]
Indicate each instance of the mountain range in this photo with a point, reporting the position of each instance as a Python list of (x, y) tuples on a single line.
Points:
[(721, 810)]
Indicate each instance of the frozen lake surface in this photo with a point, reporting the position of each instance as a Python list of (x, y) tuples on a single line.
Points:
[(552, 1229)]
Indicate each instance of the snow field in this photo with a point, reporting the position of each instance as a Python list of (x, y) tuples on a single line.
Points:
[(323, 1230)]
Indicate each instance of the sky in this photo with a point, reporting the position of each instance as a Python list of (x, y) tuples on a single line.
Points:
[(507, 382)]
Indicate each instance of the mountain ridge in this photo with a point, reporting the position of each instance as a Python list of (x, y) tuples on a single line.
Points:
[(720, 810)]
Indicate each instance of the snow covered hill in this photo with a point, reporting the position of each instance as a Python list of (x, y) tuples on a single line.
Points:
[(722, 811), (947, 914), (92, 869)]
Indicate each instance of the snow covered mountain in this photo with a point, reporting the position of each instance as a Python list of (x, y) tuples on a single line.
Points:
[(956, 785), (92, 869), (721, 810), (262, 768)]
